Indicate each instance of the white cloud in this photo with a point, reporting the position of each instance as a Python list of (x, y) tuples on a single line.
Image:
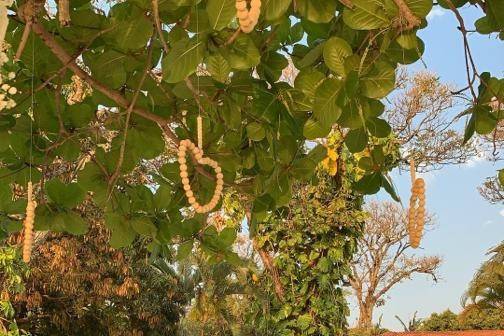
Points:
[(436, 11), (476, 160), (502, 212)]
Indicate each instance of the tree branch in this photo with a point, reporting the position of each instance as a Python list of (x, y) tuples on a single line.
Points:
[(406, 12), (116, 96), (117, 171)]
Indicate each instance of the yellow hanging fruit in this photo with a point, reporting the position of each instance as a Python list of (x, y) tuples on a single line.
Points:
[(416, 212), (28, 225)]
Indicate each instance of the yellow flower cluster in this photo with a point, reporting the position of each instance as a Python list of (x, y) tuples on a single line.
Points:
[(330, 163)]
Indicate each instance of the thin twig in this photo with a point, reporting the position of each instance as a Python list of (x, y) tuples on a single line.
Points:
[(406, 12), (157, 22), (122, 150)]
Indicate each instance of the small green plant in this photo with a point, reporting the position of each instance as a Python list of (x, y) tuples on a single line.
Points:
[(12, 271)]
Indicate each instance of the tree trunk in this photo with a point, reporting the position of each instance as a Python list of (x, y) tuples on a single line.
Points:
[(366, 315)]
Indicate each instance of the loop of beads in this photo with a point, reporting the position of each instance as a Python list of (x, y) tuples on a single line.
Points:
[(198, 156), (28, 225), (248, 18), (416, 213)]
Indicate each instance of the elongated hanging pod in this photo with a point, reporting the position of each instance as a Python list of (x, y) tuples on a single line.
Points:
[(28, 225), (64, 12), (416, 212), (248, 18)]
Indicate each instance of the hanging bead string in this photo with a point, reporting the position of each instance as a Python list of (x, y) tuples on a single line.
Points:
[(199, 122), (197, 153), (28, 224), (248, 18), (416, 212), (64, 12), (31, 204)]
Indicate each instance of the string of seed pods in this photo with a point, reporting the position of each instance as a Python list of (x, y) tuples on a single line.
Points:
[(416, 212), (248, 18), (197, 153), (28, 225)]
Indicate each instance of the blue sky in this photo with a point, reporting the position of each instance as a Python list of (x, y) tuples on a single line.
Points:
[(467, 225)]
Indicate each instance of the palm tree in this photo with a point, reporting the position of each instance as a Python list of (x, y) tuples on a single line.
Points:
[(487, 287)]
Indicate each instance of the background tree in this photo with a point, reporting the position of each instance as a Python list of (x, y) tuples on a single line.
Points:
[(487, 287), (424, 123), (80, 286), (474, 317), (446, 321), (383, 259), (311, 242)]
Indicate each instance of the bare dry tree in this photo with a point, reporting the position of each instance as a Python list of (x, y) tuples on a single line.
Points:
[(492, 190), (424, 123), (384, 259)]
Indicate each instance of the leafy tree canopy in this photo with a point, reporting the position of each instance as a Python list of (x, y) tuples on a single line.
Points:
[(109, 96)]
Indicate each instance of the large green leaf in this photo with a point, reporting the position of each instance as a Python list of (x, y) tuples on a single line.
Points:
[(335, 51), (380, 81), (243, 53), (255, 131), (218, 67), (183, 59), (274, 9), (326, 109), (366, 15), (66, 195), (316, 10), (122, 233), (314, 129), (132, 29), (220, 13), (356, 140)]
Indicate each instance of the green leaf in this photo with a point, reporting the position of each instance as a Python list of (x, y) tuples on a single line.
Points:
[(366, 15), (218, 67), (316, 10), (314, 129), (484, 121), (326, 109), (184, 250), (220, 13), (369, 184), (255, 131), (501, 177), (132, 29), (420, 8), (65, 195), (74, 223), (307, 81), (275, 9), (163, 197), (470, 129), (122, 233), (356, 140), (378, 127), (243, 53), (303, 321), (227, 236), (380, 81), (387, 185), (272, 66), (407, 40), (183, 59), (143, 225), (335, 51)]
